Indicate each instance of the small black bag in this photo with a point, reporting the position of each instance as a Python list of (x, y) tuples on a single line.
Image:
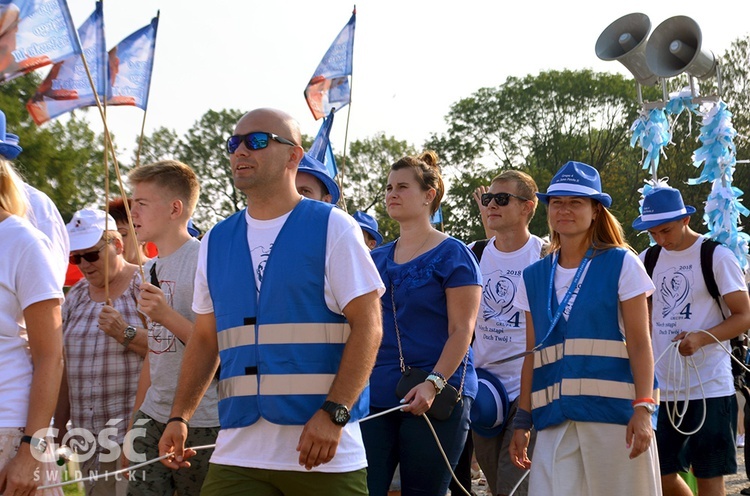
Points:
[(442, 406)]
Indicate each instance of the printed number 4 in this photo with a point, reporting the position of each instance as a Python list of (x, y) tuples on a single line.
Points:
[(514, 320), (686, 312)]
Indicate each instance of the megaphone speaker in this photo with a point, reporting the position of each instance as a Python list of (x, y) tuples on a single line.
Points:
[(675, 47), (625, 41)]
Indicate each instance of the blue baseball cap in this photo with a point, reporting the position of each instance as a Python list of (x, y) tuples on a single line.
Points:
[(369, 224), (317, 169)]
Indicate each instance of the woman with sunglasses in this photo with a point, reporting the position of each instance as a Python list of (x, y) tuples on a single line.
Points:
[(30, 339), (104, 338), (587, 382), (429, 309)]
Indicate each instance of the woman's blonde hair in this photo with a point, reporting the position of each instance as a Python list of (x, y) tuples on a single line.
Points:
[(12, 195)]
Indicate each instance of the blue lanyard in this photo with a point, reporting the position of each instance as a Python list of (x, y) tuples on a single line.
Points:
[(554, 319), (568, 294)]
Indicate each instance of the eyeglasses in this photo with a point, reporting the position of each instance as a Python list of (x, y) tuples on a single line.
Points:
[(501, 199), (254, 141), (89, 256)]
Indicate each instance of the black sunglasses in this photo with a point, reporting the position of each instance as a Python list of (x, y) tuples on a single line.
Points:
[(501, 199), (256, 140), (89, 256)]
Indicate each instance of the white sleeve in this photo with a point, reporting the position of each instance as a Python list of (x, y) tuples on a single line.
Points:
[(727, 271), (633, 278), (350, 271), (202, 302)]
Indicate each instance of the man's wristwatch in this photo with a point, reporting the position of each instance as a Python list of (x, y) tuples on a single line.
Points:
[(129, 334), (40, 445), (339, 413)]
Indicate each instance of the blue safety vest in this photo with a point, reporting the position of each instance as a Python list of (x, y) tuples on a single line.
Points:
[(280, 348), (582, 371)]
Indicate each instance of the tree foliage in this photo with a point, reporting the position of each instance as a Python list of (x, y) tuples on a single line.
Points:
[(536, 124), (63, 158)]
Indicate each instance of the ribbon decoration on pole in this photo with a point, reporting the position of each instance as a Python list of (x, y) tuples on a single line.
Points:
[(718, 156)]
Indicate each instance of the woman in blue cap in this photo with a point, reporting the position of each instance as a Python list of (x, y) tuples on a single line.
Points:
[(587, 384)]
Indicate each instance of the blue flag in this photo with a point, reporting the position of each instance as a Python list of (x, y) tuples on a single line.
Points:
[(437, 217), (329, 88), (321, 146), (67, 86), (131, 64), (34, 33)]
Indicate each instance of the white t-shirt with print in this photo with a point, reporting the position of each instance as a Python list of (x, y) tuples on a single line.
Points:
[(681, 302), (500, 331), (349, 273)]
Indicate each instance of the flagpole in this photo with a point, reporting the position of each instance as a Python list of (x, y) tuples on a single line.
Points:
[(111, 148), (140, 140), (106, 211), (346, 143)]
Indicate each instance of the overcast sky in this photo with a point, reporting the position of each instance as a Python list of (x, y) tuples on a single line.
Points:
[(412, 58)]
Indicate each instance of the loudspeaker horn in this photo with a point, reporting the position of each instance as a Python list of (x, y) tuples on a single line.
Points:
[(625, 41), (675, 47)]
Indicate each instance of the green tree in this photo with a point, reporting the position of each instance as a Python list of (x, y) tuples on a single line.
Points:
[(536, 124), (203, 148), (63, 158)]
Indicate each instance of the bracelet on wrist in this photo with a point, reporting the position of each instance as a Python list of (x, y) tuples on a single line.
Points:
[(178, 419), (522, 420), (643, 400), (435, 372)]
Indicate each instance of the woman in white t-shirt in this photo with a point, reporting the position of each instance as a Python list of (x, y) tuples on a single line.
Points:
[(30, 342)]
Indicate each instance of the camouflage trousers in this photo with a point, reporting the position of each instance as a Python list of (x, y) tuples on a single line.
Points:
[(158, 480)]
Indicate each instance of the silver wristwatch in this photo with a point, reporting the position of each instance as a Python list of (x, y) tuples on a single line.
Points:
[(128, 335)]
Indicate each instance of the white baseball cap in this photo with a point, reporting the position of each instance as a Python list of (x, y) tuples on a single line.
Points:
[(87, 226)]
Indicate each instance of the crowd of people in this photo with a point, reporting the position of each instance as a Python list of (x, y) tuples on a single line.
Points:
[(289, 351)]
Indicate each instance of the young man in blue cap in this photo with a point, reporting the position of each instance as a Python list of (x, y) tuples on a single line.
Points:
[(313, 181), (369, 226), (684, 311)]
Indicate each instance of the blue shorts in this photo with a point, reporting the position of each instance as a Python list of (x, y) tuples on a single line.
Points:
[(711, 451)]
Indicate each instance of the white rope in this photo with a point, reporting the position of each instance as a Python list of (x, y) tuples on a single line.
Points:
[(513, 491), (678, 373), (106, 475)]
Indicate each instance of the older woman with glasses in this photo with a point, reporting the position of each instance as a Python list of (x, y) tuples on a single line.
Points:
[(30, 336), (429, 309), (105, 340)]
